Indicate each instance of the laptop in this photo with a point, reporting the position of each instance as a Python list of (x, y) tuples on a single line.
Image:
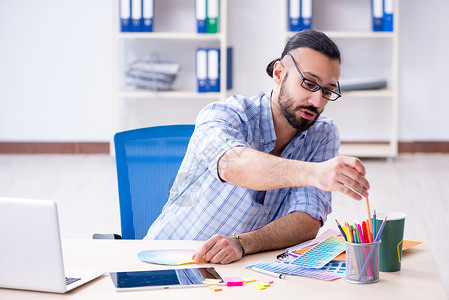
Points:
[(31, 252)]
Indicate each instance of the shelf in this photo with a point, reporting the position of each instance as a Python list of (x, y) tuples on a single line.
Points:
[(169, 35), (352, 34), (355, 36), (166, 94), (368, 149), (368, 93)]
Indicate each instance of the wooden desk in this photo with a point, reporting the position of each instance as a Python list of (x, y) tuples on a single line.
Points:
[(418, 278)]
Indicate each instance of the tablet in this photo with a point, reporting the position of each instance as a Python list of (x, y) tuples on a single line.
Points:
[(162, 279)]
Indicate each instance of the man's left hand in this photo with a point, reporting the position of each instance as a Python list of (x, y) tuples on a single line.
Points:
[(219, 249)]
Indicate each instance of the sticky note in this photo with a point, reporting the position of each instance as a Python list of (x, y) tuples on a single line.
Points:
[(250, 279), (258, 287), (211, 281), (261, 283), (215, 288), (267, 281), (233, 281)]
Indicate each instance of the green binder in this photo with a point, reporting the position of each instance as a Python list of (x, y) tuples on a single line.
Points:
[(213, 11)]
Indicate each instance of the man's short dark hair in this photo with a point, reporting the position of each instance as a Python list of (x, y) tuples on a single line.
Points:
[(315, 40)]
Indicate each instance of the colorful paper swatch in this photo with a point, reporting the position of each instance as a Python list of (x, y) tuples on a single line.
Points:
[(321, 254), (331, 271), (172, 257)]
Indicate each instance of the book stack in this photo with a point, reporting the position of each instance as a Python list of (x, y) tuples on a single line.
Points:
[(208, 69)]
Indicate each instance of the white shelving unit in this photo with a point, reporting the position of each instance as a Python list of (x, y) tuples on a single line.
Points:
[(365, 147), (127, 41)]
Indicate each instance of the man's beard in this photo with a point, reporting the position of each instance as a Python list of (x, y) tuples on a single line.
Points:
[(285, 104)]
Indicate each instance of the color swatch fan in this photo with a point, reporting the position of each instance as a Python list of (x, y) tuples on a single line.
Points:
[(171, 257)]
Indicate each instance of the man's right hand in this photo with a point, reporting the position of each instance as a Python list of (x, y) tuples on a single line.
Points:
[(344, 174)]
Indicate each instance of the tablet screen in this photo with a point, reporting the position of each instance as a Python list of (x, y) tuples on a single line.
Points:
[(162, 278)]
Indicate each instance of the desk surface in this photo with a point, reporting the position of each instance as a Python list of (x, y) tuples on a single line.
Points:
[(418, 278)]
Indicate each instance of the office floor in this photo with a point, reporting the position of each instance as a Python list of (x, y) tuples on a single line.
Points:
[(85, 188)]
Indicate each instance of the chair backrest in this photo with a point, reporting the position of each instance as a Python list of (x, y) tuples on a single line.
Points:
[(147, 161)]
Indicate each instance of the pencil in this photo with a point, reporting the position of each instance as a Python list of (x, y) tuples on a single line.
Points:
[(368, 210), (372, 249), (341, 230)]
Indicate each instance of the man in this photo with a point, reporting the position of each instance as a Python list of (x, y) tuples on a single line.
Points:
[(259, 171)]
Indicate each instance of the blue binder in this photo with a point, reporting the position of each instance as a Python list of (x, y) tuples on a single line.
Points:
[(377, 12), (200, 14), (125, 15), (306, 14), (147, 15), (213, 69), (388, 15), (294, 15), (136, 15), (201, 70), (229, 69)]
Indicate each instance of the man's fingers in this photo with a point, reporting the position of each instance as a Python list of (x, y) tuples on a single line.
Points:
[(218, 249), (355, 163), (350, 192), (205, 249), (355, 179)]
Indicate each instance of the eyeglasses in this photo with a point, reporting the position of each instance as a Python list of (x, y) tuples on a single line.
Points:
[(313, 86)]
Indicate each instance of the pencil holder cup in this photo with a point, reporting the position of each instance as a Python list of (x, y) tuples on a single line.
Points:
[(362, 262)]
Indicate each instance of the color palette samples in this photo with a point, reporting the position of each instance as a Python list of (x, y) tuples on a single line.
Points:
[(322, 253), (330, 271)]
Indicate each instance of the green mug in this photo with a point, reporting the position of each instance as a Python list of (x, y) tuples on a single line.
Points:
[(390, 251)]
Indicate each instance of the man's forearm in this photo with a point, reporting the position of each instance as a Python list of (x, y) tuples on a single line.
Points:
[(287, 231), (256, 170)]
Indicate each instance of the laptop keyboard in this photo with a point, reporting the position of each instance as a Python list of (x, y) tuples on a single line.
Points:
[(69, 280)]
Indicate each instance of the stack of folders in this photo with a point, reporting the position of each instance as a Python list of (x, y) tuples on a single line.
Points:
[(299, 14), (208, 69), (152, 74), (136, 15), (382, 15), (207, 14)]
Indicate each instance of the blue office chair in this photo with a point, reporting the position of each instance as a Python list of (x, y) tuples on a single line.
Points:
[(147, 162)]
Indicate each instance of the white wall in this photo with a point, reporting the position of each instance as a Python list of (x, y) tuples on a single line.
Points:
[(56, 63), (55, 70)]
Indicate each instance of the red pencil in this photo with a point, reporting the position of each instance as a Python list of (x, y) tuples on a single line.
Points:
[(365, 232)]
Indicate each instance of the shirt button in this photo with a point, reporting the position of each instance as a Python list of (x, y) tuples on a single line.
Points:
[(271, 144), (266, 210), (262, 141)]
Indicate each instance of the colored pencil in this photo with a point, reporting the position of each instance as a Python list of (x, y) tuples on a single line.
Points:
[(364, 232), (368, 210), (362, 238), (341, 230), (372, 249)]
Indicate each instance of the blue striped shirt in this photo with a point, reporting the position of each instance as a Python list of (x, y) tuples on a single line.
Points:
[(201, 204)]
